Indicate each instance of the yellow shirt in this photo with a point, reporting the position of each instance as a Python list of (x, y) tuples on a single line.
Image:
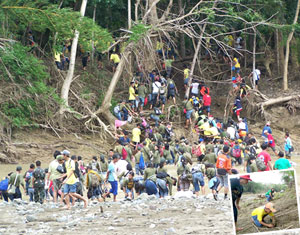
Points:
[(237, 64), (70, 166), (260, 212), (115, 58), (186, 73), (131, 93), (57, 56), (136, 132), (159, 45)]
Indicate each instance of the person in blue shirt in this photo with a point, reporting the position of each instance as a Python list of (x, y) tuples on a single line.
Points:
[(111, 177), (265, 135), (282, 163), (288, 147)]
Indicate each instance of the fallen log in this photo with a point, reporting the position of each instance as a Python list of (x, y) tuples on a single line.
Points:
[(277, 100)]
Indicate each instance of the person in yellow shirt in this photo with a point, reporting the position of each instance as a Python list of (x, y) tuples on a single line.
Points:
[(115, 58), (70, 181), (132, 95), (260, 213), (136, 135), (57, 60), (186, 74), (236, 66)]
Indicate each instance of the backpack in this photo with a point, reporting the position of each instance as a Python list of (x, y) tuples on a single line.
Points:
[(161, 175), (260, 164), (28, 176), (253, 150), (4, 184), (142, 162), (94, 180), (195, 102), (236, 153), (171, 85), (117, 109), (77, 171), (124, 154)]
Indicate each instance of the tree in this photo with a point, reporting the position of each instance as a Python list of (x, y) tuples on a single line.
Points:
[(287, 49), (68, 80)]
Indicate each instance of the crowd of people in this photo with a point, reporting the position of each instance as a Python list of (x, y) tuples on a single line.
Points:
[(138, 163)]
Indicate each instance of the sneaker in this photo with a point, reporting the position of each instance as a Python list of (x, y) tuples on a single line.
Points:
[(216, 197)]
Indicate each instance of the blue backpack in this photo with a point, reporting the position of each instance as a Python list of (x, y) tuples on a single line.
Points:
[(142, 162), (4, 184)]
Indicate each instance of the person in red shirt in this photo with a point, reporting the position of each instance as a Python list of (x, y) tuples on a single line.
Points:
[(265, 157), (271, 141), (207, 103)]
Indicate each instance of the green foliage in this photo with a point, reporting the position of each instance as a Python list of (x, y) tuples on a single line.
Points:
[(253, 187), (138, 31), (30, 76)]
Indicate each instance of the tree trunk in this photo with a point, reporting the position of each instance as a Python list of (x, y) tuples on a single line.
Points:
[(287, 50), (254, 57), (277, 51), (294, 55), (129, 14), (93, 40), (153, 12), (182, 40), (106, 103), (278, 100), (68, 80)]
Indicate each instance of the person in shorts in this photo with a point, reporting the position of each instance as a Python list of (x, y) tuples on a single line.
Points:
[(111, 177), (223, 166), (198, 180)]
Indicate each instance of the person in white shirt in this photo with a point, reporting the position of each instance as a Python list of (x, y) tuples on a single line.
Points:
[(195, 88), (255, 76), (155, 89)]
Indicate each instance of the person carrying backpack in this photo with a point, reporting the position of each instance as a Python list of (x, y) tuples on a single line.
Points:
[(263, 159), (15, 180), (236, 153), (172, 89), (139, 162), (28, 182), (4, 186), (38, 180), (93, 182)]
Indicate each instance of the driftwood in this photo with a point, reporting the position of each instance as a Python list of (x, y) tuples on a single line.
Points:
[(278, 100)]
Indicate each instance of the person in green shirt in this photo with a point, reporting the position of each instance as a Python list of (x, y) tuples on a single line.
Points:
[(282, 163), (137, 158), (270, 194), (150, 180), (128, 186), (146, 153), (210, 157), (189, 110), (168, 64), (167, 154), (103, 165), (184, 175), (16, 180), (253, 166), (142, 92), (156, 157)]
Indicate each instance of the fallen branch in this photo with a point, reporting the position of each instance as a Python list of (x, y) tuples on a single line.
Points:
[(277, 100)]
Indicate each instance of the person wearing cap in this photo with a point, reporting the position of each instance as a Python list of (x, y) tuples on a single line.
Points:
[(55, 173), (70, 180), (264, 134), (260, 213), (223, 166), (16, 179), (111, 177), (236, 186)]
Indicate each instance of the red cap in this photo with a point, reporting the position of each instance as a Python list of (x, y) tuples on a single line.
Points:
[(246, 177)]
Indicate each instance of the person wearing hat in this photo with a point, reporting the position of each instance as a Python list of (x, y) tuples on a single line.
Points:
[(70, 181), (260, 213), (264, 134), (236, 186), (16, 179), (55, 173)]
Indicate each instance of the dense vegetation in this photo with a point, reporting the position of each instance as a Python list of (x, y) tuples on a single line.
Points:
[(32, 84)]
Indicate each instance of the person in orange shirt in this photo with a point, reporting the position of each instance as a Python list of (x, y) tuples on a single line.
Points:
[(223, 166)]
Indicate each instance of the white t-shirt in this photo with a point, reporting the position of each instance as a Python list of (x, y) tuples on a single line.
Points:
[(195, 88), (155, 87), (242, 126), (256, 74), (231, 131), (120, 167)]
